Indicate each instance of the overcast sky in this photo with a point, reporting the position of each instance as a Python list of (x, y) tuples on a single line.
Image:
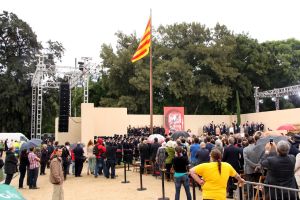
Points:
[(82, 26)]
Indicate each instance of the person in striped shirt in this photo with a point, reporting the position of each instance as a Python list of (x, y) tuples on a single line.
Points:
[(34, 164)]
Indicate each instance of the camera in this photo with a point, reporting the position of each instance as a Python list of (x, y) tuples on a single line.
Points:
[(271, 140)]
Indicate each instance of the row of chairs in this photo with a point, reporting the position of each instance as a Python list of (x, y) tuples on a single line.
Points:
[(148, 167)]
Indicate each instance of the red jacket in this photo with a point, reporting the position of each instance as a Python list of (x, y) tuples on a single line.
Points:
[(72, 155), (101, 148)]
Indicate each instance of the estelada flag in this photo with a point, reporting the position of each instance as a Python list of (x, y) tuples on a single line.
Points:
[(143, 48)]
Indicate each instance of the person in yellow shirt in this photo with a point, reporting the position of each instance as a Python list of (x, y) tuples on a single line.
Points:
[(214, 176)]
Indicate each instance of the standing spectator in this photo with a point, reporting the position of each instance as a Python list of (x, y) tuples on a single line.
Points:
[(10, 166), (153, 150), (78, 153), (91, 157), (24, 162), (33, 168), (100, 151), (219, 145), (280, 171), (212, 128), (193, 149), (251, 163), (161, 156), (214, 176), (73, 162), (44, 159), (119, 152), (66, 159), (209, 145), (6, 145), (169, 160), (297, 169), (202, 155), (232, 155), (50, 150), (111, 150), (181, 164), (144, 153), (57, 176), (67, 146)]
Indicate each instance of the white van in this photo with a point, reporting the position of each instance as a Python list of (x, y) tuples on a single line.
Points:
[(13, 136)]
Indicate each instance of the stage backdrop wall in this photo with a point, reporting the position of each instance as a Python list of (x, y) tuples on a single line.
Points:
[(102, 121), (110, 121), (273, 119), (73, 135)]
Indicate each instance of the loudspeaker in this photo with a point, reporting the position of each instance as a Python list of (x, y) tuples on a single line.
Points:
[(64, 107)]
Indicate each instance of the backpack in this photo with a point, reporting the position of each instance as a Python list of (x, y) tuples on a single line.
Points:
[(184, 148), (96, 150)]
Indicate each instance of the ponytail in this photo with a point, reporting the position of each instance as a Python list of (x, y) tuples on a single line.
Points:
[(219, 166), (216, 157)]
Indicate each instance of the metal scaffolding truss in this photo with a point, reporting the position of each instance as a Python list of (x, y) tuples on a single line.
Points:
[(275, 94), (44, 78), (33, 111)]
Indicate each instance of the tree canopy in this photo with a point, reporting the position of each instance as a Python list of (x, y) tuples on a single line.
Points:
[(197, 67), (18, 49)]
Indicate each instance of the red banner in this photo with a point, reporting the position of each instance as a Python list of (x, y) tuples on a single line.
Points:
[(173, 119)]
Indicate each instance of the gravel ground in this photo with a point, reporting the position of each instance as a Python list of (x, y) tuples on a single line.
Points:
[(90, 188)]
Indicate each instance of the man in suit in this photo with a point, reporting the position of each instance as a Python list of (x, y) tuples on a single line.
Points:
[(111, 150), (251, 162), (232, 155), (78, 153), (153, 150)]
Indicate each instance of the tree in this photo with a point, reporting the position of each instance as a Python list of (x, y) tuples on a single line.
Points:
[(196, 67), (18, 46)]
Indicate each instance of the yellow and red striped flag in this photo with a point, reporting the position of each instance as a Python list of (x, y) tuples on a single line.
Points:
[(144, 45)]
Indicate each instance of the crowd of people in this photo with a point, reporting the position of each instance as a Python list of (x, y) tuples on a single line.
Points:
[(144, 131), (223, 128), (213, 161), (228, 154)]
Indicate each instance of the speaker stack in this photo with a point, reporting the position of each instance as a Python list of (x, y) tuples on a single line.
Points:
[(64, 107)]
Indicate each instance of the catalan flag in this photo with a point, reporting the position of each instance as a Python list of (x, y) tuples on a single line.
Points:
[(143, 48)]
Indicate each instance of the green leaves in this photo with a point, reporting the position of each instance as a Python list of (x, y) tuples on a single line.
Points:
[(197, 67), (18, 47)]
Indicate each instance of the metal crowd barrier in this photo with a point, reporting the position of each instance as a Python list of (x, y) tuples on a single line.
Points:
[(261, 191)]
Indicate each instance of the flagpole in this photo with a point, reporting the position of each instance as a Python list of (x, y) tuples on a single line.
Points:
[(151, 93)]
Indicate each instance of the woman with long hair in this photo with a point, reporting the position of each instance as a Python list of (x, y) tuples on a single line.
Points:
[(214, 176), (180, 164), (24, 162), (91, 158)]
